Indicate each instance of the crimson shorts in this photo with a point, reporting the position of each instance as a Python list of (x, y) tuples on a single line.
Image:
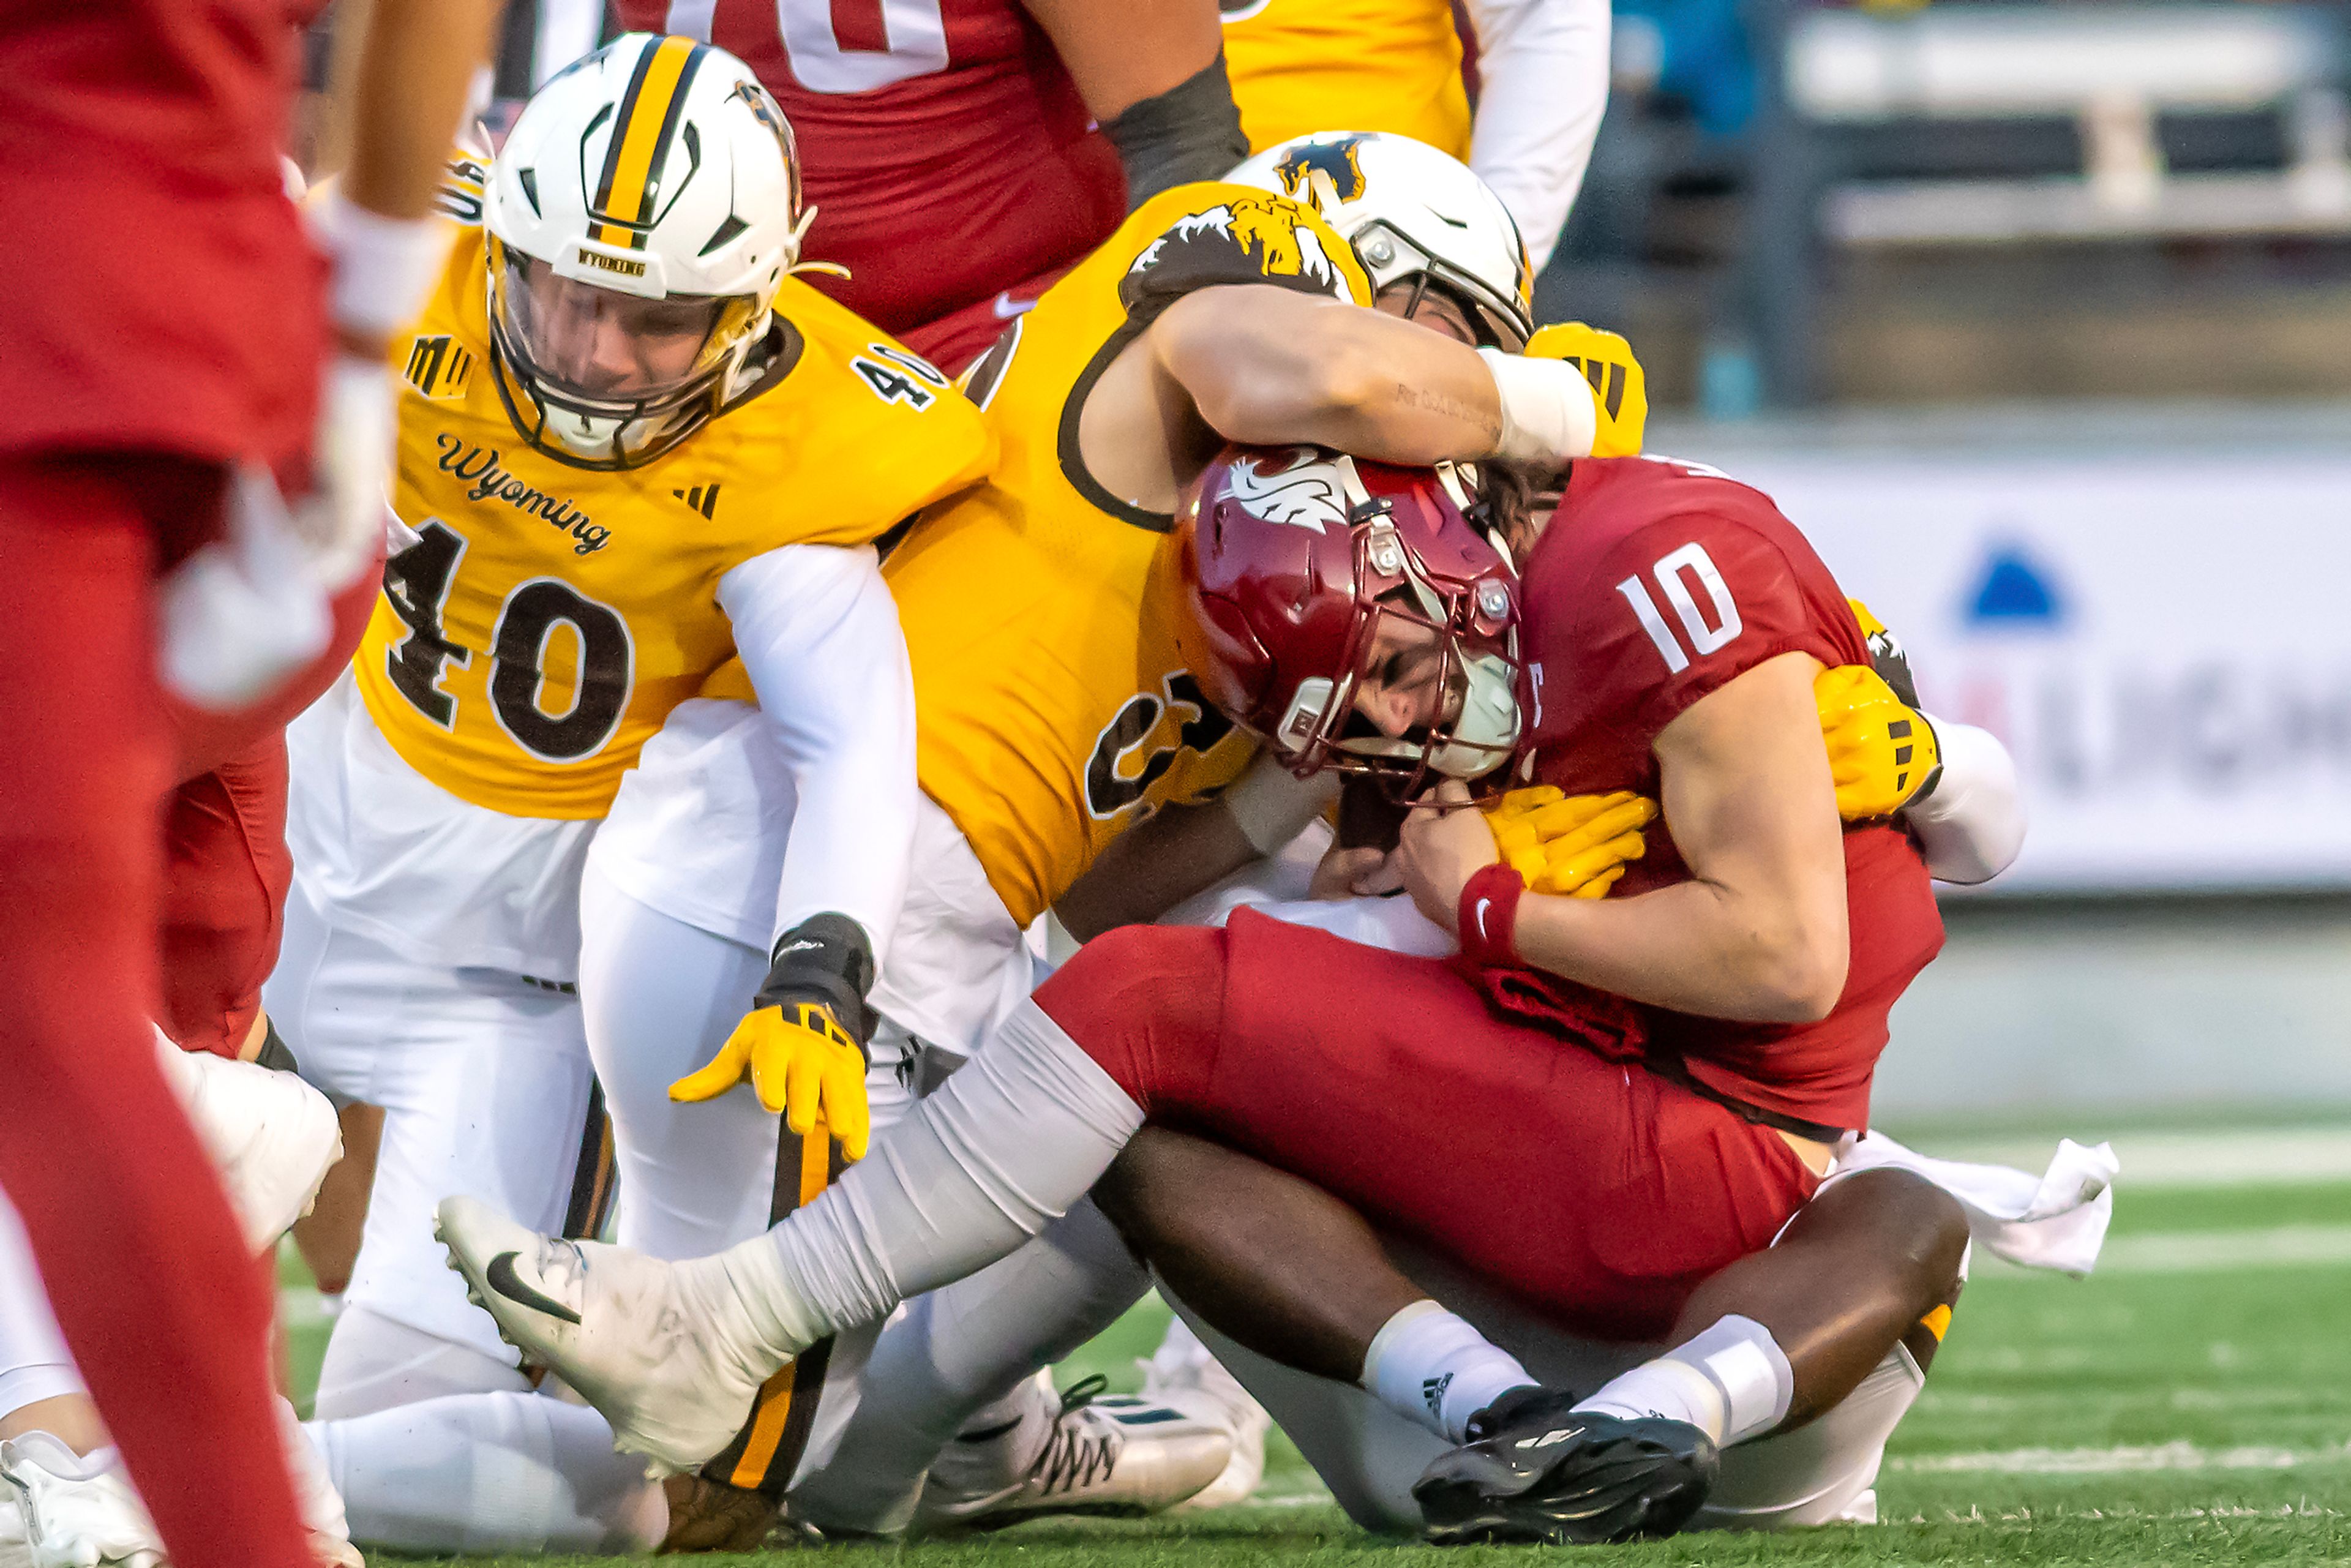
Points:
[(1598, 1191), (225, 873)]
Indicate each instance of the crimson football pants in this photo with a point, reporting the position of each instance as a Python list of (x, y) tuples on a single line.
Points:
[(147, 1271), (1591, 1188), (224, 898)]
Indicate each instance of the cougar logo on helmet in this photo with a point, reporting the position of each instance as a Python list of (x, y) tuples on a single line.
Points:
[(1337, 160), (1300, 494)]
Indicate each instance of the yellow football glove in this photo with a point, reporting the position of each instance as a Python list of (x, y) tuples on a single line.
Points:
[(802, 1043), (1882, 753), (1620, 391), (807, 1067), (1573, 846)]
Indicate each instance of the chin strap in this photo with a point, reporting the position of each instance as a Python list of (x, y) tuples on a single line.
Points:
[(830, 268)]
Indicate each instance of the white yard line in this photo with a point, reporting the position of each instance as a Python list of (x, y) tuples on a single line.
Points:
[(2119, 1460), (2220, 1156), (2209, 1252)]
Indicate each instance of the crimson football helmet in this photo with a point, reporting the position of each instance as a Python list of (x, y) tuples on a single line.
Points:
[(1291, 558)]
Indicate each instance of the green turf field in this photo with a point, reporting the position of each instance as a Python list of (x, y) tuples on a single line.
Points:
[(2190, 1404)]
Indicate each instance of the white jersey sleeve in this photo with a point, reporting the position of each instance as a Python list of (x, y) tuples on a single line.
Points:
[(1971, 827), (1542, 71), (819, 635)]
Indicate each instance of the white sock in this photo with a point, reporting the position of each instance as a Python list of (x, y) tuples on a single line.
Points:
[(490, 1473), (1433, 1367), (1018, 1135), (1732, 1382), (944, 1363)]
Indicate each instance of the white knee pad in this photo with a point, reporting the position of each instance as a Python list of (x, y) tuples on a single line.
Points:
[(373, 1363)]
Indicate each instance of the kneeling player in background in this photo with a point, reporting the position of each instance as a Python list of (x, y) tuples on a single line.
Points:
[(195, 477), (633, 447)]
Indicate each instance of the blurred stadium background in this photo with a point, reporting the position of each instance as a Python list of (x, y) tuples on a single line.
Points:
[(2037, 317)]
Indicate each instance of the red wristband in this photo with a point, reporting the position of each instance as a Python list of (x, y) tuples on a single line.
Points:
[(1489, 917)]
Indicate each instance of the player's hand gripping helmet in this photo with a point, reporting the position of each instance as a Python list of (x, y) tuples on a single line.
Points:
[(1301, 567), (640, 217), (1414, 215)]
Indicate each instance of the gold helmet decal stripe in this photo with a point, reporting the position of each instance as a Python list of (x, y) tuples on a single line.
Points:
[(641, 137)]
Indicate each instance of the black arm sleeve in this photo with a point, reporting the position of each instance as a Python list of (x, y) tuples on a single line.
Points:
[(1191, 131)]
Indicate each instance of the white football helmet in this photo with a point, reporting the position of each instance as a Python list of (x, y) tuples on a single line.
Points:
[(640, 217), (1414, 215)]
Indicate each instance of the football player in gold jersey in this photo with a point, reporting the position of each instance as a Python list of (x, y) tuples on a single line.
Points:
[(1053, 712), (1304, 66), (632, 448)]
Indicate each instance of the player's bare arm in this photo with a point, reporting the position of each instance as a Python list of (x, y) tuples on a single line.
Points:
[(1758, 933), (1265, 364), (1184, 849), (1121, 55), (1153, 76), (415, 70), (1256, 362), (413, 78)]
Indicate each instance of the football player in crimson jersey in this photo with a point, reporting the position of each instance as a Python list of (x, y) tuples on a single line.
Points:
[(1221, 309), (951, 163), (1375, 1089), (166, 351)]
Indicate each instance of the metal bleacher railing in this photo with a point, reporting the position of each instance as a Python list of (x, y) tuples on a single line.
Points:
[(2113, 71)]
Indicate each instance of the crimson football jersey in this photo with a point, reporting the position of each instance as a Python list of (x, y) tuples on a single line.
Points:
[(1657, 584), (165, 297), (942, 143)]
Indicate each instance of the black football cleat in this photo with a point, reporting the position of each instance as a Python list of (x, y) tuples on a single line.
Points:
[(1534, 1470)]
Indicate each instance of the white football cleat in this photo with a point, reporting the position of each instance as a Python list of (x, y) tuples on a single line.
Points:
[(271, 1136), (76, 1510), (1184, 1376), (1079, 1453), (59, 1510), (16, 1552), (663, 1351)]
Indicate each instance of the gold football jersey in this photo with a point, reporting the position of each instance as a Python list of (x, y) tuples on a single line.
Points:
[(1302, 66), (1051, 707), (549, 616)]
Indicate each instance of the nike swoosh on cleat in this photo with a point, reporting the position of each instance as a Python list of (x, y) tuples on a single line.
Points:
[(1006, 307), (502, 1277)]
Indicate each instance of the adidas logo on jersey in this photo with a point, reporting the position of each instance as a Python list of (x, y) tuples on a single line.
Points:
[(1433, 1391), (702, 499)]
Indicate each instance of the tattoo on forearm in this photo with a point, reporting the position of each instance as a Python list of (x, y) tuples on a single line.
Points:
[(1438, 403)]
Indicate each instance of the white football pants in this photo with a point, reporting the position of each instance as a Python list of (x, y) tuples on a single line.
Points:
[(485, 1084)]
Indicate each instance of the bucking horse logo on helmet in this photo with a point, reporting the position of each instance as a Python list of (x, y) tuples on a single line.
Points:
[(1241, 239), (1335, 160)]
